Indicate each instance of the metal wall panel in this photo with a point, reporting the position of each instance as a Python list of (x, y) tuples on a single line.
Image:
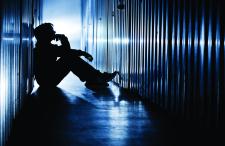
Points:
[(169, 52), (17, 19)]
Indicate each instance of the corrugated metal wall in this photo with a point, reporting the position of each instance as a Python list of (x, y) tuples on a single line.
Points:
[(169, 51), (17, 20)]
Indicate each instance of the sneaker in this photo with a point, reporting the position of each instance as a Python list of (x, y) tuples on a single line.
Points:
[(109, 76)]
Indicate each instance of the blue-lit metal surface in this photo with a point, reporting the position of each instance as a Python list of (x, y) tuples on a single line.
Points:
[(170, 52), (17, 20)]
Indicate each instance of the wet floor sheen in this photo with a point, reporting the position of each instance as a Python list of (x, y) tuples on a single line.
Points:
[(73, 115)]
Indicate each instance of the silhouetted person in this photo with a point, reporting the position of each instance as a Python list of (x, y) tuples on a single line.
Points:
[(50, 71)]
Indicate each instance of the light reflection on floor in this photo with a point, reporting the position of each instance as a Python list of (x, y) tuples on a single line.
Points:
[(75, 115), (110, 103)]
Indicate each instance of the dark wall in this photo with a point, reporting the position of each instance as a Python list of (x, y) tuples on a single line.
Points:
[(171, 52), (17, 20)]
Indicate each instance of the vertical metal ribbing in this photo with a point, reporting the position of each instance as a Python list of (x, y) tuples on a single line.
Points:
[(132, 46), (127, 30), (166, 65), (129, 44), (175, 55), (145, 48), (15, 69), (201, 61), (154, 27), (182, 64), (221, 110), (142, 40), (177, 60), (151, 50), (159, 50), (1, 125), (162, 55)]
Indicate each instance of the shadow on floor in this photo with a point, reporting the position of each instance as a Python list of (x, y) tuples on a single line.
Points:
[(77, 116)]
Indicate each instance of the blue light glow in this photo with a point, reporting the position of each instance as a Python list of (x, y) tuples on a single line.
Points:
[(209, 42), (118, 121), (123, 41), (202, 36), (3, 96), (66, 18), (217, 41), (116, 92)]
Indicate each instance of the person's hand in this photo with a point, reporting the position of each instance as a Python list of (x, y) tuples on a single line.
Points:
[(88, 56), (61, 37)]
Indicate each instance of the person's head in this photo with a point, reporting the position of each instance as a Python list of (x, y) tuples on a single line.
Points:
[(44, 32)]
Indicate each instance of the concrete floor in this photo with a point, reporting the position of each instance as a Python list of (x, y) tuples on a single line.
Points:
[(73, 115)]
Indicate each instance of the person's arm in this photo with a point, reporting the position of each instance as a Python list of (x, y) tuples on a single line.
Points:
[(82, 53), (64, 41), (65, 48), (62, 51)]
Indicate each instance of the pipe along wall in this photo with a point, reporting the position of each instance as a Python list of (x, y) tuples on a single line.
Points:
[(171, 52), (17, 20)]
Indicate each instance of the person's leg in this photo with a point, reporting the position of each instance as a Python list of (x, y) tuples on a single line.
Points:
[(61, 70), (85, 71), (79, 67), (55, 74), (82, 69)]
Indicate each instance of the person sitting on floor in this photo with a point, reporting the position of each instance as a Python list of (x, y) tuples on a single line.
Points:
[(50, 71)]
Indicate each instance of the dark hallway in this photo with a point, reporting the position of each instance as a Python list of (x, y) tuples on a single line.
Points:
[(171, 87), (111, 117)]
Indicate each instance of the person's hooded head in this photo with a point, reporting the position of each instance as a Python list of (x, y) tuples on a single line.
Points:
[(44, 32)]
